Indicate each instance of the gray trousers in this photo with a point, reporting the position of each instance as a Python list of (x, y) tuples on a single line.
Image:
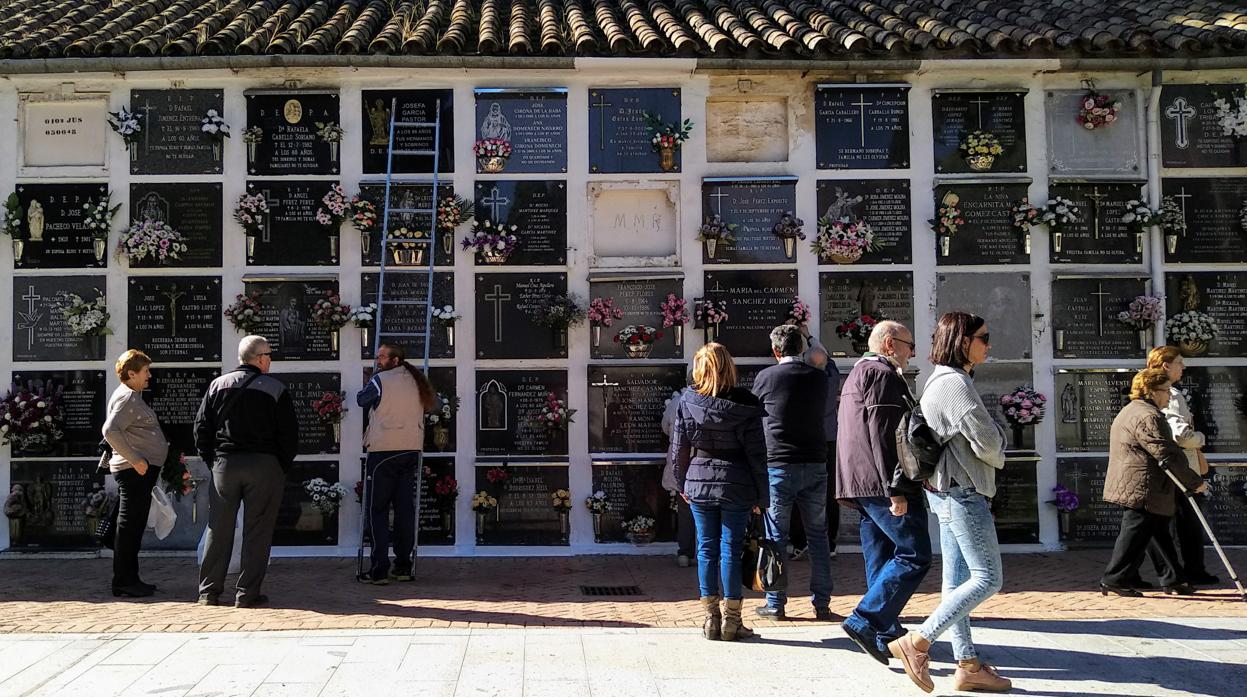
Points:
[(256, 481)]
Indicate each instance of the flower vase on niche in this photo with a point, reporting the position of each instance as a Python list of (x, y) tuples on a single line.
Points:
[(337, 432), (1026, 243), (333, 246), (450, 336), (19, 246), (679, 335), (560, 337), (1063, 520), (1171, 243), (15, 530), (712, 331), (1019, 436), (365, 244), (89, 524), (366, 342), (480, 527), (666, 158), (1193, 348), (945, 240), (637, 351), (216, 150), (564, 524), (250, 246), (447, 523), (1138, 242), (251, 147), (1145, 339), (711, 246), (1056, 241), (441, 438), (597, 335), (134, 154), (1060, 339), (597, 527), (101, 247), (333, 151), (790, 247), (448, 244), (333, 341)]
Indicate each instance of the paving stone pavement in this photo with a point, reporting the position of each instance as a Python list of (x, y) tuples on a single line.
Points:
[(72, 595)]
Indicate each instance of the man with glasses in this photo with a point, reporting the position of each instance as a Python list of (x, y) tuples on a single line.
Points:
[(895, 545), (247, 434)]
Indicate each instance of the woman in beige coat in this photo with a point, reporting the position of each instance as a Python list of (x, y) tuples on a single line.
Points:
[(1141, 448)]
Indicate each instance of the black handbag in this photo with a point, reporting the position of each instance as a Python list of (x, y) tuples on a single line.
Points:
[(770, 574), (749, 554), (106, 529)]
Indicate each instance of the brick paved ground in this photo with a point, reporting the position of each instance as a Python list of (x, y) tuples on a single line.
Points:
[(58, 595)]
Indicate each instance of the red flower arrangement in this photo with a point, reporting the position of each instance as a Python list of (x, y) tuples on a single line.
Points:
[(244, 313), (637, 335), (858, 328), (175, 477), (1096, 110), (31, 419), (496, 475), (329, 407)]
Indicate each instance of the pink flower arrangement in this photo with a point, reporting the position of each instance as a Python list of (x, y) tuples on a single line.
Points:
[(249, 212), (1144, 312), (364, 214), (674, 311), (333, 207), (800, 312), (1025, 215), (710, 312), (555, 415), (1064, 499), (329, 407), (330, 313), (603, 312), (31, 419), (1097, 110), (244, 313), (1024, 406), (492, 147), (844, 238)]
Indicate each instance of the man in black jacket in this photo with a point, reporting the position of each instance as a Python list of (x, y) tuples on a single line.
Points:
[(793, 394), (246, 432)]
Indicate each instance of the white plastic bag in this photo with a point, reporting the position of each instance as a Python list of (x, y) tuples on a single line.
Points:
[(235, 555), (161, 517)]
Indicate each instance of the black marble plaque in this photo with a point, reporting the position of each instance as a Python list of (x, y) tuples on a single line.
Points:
[(1221, 295), (1217, 396), (1099, 237), (538, 207), (174, 394), (1015, 507), (861, 127), (1095, 522), (83, 395), (290, 144), (408, 196), (194, 209), (634, 488), (1084, 317), (1189, 133), (437, 522), (40, 332), (845, 296), (299, 523), (54, 226), (407, 286), (753, 206), (987, 237), (533, 121), (618, 138), (508, 402), (176, 319), (54, 494), (524, 515), (1213, 209), (626, 407), (1084, 406), (413, 105), (1226, 504), (291, 235), (757, 302), (641, 300), (956, 115), (994, 380), (746, 373), (172, 140), (504, 328), (315, 436), (1003, 299), (285, 317), (883, 203), (1115, 150)]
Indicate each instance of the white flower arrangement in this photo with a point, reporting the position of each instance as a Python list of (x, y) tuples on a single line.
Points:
[(447, 407), (329, 132), (98, 216), (446, 315), (127, 124), (213, 125), (85, 318), (364, 316), (1232, 113), (639, 525), (1138, 216), (153, 239), (326, 497), (597, 503), (1190, 327), (1171, 219), (1059, 213)]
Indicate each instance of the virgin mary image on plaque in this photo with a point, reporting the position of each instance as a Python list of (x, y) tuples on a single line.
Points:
[(495, 124)]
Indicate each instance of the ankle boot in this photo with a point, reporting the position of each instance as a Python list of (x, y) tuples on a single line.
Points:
[(710, 627), (733, 629)]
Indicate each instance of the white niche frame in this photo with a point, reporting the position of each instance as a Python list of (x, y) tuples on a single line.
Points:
[(669, 187)]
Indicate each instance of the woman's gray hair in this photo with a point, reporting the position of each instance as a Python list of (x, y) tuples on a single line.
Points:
[(251, 347), (882, 331)]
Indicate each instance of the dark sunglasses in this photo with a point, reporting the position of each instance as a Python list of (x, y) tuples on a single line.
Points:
[(985, 336)]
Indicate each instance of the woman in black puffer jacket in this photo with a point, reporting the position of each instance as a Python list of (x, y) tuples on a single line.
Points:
[(719, 457)]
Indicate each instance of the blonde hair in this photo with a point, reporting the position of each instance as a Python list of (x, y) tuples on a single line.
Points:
[(132, 361), (1147, 381), (714, 371), (1159, 356)]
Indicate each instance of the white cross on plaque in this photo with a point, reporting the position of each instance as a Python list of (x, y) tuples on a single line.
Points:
[(979, 103), (495, 201), (1182, 197), (1095, 197), (1099, 317), (496, 298), (601, 105), (30, 319), (717, 200), (1179, 112), (147, 123), (861, 105), (606, 386)]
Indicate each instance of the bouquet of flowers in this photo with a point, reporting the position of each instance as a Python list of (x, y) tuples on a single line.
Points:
[(446, 315), (447, 407), (213, 125), (555, 415), (1191, 327), (446, 490), (558, 312), (1024, 215), (494, 242), (13, 216), (1144, 312), (329, 131), (482, 502), (99, 215), (333, 208), (710, 312), (1171, 219), (1097, 110), (789, 227), (858, 329), (496, 475), (364, 214), (948, 218), (175, 477), (329, 313), (980, 143), (674, 311), (452, 211), (1065, 500), (329, 407), (492, 147), (561, 500), (127, 124), (843, 239), (252, 135), (364, 316), (244, 313), (666, 135), (32, 419), (597, 503), (326, 497), (640, 525), (1059, 213), (1024, 406), (1138, 216), (151, 238), (638, 335), (716, 229), (85, 318), (603, 312), (799, 313), (250, 213), (1232, 113)]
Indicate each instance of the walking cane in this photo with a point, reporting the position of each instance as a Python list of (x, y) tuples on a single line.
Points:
[(1190, 498)]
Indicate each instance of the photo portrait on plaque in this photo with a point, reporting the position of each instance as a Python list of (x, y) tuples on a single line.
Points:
[(521, 130), (192, 209), (286, 316), (419, 106)]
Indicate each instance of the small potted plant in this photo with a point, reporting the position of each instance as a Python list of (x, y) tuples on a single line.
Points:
[(1172, 223), (947, 221), (151, 239), (214, 128), (364, 318), (857, 330), (639, 530), (1021, 408), (331, 315), (446, 317), (326, 497), (555, 415), (842, 241), (482, 504), (666, 138), (32, 420), (1066, 502), (332, 211), (251, 212), (598, 505), (365, 219), (86, 318), (638, 340), (1096, 110), (491, 154), (330, 409), (14, 214), (440, 420), (127, 124), (602, 313), (1142, 315), (330, 132), (244, 312), (1025, 216), (1232, 113), (98, 217), (1058, 214), (675, 315), (1139, 218), (561, 502), (252, 137), (175, 476), (445, 493), (980, 150), (714, 231), (789, 229), (492, 244), (452, 211), (799, 314), (559, 313), (709, 314), (1191, 331)]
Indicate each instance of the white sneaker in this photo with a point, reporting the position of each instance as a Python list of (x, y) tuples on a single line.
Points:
[(683, 561)]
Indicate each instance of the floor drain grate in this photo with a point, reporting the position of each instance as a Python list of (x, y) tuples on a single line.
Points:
[(610, 590)]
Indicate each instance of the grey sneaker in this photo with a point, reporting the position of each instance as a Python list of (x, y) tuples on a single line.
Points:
[(683, 561)]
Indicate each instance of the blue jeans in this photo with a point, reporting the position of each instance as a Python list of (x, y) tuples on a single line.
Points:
[(972, 569), (805, 486), (897, 552), (720, 541)]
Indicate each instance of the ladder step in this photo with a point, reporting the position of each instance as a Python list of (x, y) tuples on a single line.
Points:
[(403, 334), (426, 153), (404, 302), (405, 240), (410, 211), (415, 124)]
